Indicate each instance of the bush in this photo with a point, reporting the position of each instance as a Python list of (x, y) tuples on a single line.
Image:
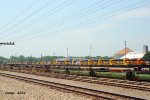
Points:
[(147, 56)]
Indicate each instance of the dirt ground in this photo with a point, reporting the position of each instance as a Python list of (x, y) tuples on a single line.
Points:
[(11, 89)]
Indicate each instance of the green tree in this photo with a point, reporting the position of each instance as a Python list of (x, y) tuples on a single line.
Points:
[(21, 59), (3, 60), (147, 56)]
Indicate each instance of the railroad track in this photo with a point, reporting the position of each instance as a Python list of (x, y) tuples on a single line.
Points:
[(95, 94), (144, 86)]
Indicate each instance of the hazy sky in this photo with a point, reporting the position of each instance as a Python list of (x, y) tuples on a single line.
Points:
[(52, 26)]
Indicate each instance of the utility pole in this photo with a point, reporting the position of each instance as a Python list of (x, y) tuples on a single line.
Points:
[(41, 58), (67, 53), (54, 54), (31, 59), (15, 57), (125, 49), (66, 62), (90, 51)]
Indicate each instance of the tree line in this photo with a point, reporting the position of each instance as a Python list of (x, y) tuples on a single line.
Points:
[(22, 59), (30, 59)]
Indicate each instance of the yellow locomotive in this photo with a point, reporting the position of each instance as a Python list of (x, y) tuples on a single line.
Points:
[(99, 62)]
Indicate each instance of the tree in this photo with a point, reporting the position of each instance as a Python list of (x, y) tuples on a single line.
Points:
[(3, 60), (147, 56), (21, 58)]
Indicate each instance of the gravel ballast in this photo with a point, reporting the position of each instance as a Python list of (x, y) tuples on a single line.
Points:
[(12, 89), (113, 89)]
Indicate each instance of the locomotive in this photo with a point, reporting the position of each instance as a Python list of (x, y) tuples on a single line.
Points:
[(100, 62)]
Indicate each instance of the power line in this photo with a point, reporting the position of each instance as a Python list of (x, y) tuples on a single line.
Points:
[(19, 15), (46, 15), (93, 20), (110, 13), (58, 8), (76, 13), (29, 16), (77, 16)]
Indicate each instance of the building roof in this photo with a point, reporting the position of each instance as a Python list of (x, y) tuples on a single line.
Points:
[(121, 52), (134, 55)]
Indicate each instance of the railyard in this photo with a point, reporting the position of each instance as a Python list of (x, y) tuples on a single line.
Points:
[(112, 89), (125, 89), (93, 82), (29, 91), (74, 50), (129, 72)]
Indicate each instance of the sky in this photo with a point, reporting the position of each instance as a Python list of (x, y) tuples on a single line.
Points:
[(49, 27)]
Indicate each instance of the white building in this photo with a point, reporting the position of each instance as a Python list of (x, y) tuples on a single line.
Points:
[(121, 53), (134, 55)]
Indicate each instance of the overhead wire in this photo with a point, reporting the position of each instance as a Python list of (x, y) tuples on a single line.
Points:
[(38, 19), (93, 20), (68, 19), (76, 13), (51, 12), (28, 17), (20, 14), (58, 8)]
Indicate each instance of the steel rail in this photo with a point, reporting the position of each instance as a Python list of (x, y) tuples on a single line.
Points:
[(109, 82), (77, 89)]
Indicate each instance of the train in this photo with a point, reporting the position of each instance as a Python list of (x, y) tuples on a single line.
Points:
[(95, 62), (100, 62), (71, 66)]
